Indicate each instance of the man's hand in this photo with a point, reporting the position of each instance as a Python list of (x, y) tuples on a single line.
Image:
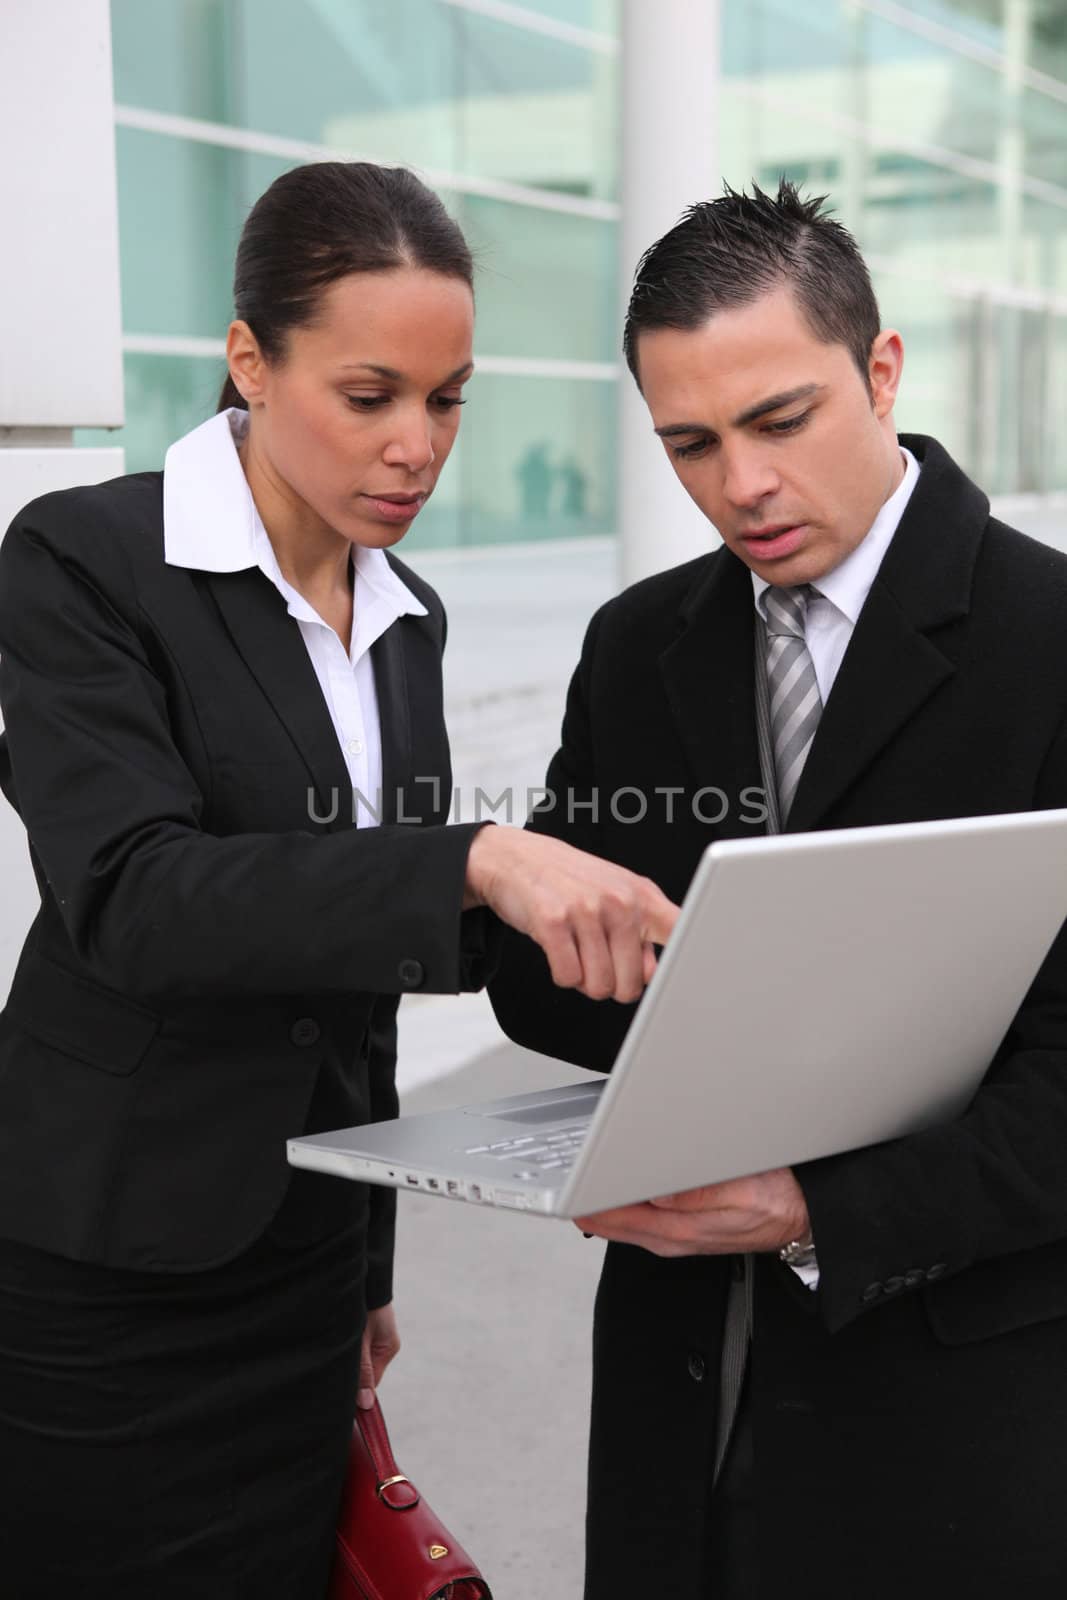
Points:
[(596, 922), (763, 1212), (381, 1341)]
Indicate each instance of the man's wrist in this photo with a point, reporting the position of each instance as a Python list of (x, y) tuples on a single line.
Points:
[(799, 1252)]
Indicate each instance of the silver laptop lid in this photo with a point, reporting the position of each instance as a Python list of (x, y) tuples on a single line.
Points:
[(823, 991)]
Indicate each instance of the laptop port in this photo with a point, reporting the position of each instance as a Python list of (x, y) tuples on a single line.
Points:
[(411, 1178), (452, 1186), (476, 1191), (432, 1183)]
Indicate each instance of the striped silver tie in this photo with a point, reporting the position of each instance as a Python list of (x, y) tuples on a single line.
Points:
[(793, 688)]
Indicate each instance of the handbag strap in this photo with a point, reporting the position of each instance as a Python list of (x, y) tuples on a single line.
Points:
[(394, 1489)]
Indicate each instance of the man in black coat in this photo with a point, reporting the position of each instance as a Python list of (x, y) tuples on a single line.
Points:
[(902, 1424)]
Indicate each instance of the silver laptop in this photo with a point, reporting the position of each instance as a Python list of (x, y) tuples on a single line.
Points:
[(820, 991)]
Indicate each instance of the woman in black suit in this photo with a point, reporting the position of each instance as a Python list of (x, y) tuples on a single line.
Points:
[(222, 701)]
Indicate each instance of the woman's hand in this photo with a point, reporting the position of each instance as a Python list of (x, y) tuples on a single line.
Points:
[(596, 922), (381, 1341)]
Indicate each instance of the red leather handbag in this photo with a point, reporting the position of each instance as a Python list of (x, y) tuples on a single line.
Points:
[(390, 1546)]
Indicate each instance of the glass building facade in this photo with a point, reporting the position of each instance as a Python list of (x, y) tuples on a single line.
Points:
[(512, 121), (938, 128)]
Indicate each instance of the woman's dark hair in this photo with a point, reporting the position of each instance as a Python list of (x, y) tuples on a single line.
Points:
[(320, 222), (729, 251)]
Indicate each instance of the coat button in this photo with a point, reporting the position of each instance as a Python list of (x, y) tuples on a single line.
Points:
[(893, 1285), (411, 973), (914, 1277), (872, 1293), (938, 1270), (697, 1366), (305, 1031)]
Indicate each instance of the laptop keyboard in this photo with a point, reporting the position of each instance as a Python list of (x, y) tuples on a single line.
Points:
[(546, 1152)]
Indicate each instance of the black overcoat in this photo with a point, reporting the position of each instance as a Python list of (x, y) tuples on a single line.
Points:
[(219, 953), (911, 1416)]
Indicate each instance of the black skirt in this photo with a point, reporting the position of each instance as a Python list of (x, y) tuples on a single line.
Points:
[(166, 1435)]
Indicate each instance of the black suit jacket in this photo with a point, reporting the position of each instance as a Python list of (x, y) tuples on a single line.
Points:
[(911, 1417), (219, 953)]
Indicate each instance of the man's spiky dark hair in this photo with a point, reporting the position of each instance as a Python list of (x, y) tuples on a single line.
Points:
[(732, 250)]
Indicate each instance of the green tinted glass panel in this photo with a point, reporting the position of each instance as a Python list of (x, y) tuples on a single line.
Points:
[(916, 90), (978, 22), (1043, 137), (598, 16), (166, 396), (805, 45), (931, 220), (536, 461), (1039, 245), (376, 77), (409, 81), (175, 56), (986, 379), (181, 208), (545, 282), (1046, 44), (1055, 431), (897, 204), (949, 170), (535, 110), (939, 372), (852, 77), (441, 87)]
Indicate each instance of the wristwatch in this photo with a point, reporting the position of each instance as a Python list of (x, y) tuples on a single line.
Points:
[(799, 1253)]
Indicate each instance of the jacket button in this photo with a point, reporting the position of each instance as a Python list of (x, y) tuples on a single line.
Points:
[(913, 1278), (304, 1031), (872, 1293), (893, 1285), (697, 1366), (938, 1270), (411, 973)]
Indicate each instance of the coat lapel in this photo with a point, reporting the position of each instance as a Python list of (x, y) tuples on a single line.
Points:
[(892, 666), (708, 676), (269, 641), (888, 672)]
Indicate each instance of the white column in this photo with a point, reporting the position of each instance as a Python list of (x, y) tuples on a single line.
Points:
[(60, 321), (670, 71)]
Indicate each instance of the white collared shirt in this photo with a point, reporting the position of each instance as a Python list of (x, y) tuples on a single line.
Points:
[(832, 613), (211, 524), (838, 598)]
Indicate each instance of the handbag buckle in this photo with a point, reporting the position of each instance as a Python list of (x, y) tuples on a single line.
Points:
[(387, 1483)]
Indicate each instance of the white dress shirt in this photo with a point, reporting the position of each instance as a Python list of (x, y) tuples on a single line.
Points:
[(838, 597), (832, 613), (211, 524)]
